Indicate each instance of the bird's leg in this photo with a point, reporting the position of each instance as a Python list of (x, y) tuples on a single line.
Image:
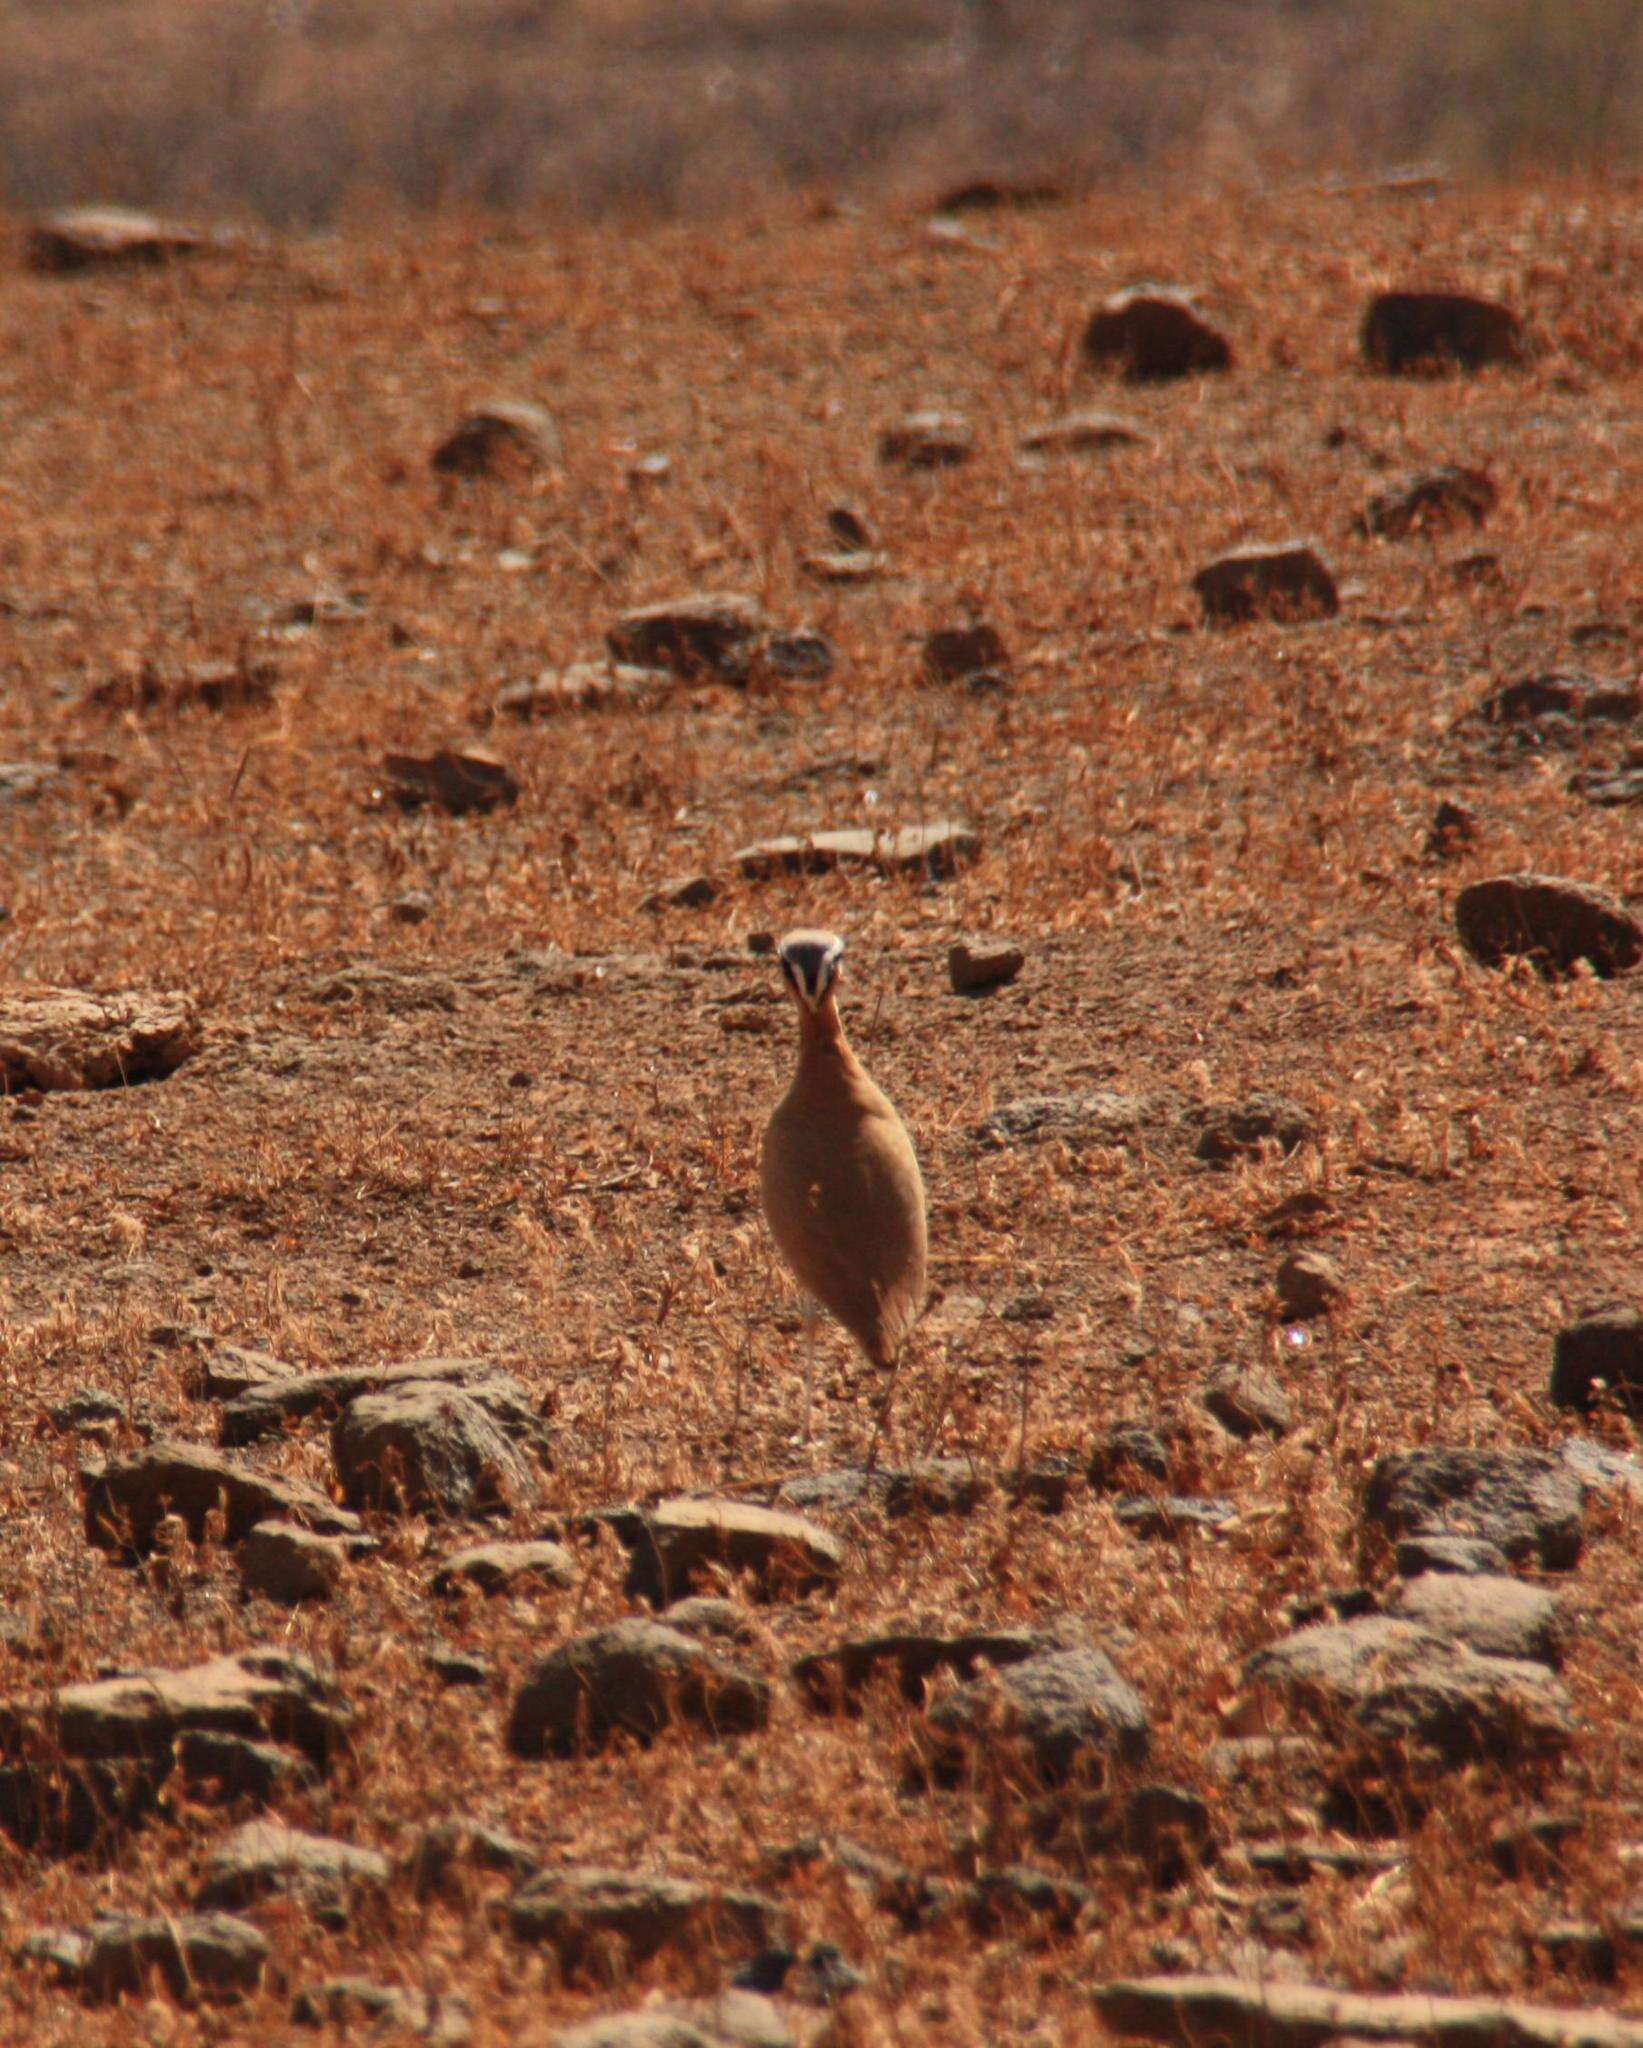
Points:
[(812, 1316), (883, 1416)]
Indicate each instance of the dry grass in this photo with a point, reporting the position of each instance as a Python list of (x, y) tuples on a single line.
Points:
[(1211, 844)]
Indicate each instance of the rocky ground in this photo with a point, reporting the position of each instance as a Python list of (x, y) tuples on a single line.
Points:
[(420, 1617)]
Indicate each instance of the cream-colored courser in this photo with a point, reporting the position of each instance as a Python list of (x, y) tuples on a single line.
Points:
[(842, 1190)]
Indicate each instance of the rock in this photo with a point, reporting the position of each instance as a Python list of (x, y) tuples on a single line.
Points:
[(507, 1568), (1610, 791), (504, 438), (1461, 1554), (448, 1846), (1494, 1615), (1435, 500), (459, 1667), (1065, 1711), (991, 195), (24, 782), (974, 965), (1554, 698), (1082, 433), (635, 1677), (1152, 334), (1413, 1694), (1406, 333), (803, 657), (220, 1770), (936, 1486), (1285, 581), (265, 1859), (846, 565), (424, 1448), (584, 686), (730, 2019), (679, 1542), (1602, 1468), (1600, 1356), (1002, 1901), (1167, 1829), (580, 1911), (820, 1977), (127, 1499), (88, 1412), (1249, 1403), (952, 653), (685, 892), (833, 1679), (1047, 1483), (1119, 1454), (59, 1039), (1308, 1284), (1454, 828), (1536, 1846), (704, 1615), (1103, 1117), (1240, 1130), (268, 1407), (416, 906), (210, 1957), (107, 238), (459, 780), (717, 635), (1260, 2012), (1525, 1501), (849, 527), (927, 440), (940, 848), (1171, 1516), (1554, 923), (438, 2020), (909, 1897), (290, 1564)]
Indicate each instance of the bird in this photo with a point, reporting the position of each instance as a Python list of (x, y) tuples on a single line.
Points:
[(838, 1176)]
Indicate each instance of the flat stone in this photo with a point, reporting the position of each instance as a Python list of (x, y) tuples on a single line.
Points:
[(438, 2020), (450, 1847), (1242, 1130), (1462, 1554), (702, 1614), (265, 1859), (685, 892), (503, 438), (1407, 333), (1525, 1501), (802, 657), (941, 848), (59, 1039), (1554, 923), (1286, 582), (225, 1371), (1171, 1516), (1018, 1897), (846, 565), (269, 1406), (1256, 2012), (1064, 1711), (1103, 1117), (1082, 433), (109, 238), (584, 686), (729, 2019), (927, 440), (221, 1770), (209, 1957), (705, 634), (912, 1656), (459, 780), (1600, 1356), (678, 1543), (1127, 1450), (1249, 1403), (951, 653), (507, 1568), (636, 1678), (1557, 698), (428, 1449), (1152, 334), (127, 1499), (290, 1564), (1433, 502), (579, 1909), (974, 965), (1496, 1616)]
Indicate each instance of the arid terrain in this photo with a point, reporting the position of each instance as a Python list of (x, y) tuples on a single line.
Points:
[(470, 1085)]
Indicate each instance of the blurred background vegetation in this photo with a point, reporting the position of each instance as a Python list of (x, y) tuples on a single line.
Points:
[(292, 110)]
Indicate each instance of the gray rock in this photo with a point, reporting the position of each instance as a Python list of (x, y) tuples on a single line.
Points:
[(438, 2020), (505, 437), (1497, 1617), (1066, 1711), (635, 1677), (913, 1656), (705, 1615), (717, 635), (1249, 1403), (225, 1371), (1285, 581), (270, 1406), (1171, 1515), (260, 1694), (1239, 1130), (682, 1541), (939, 848), (428, 1449), (507, 1568), (1018, 1898), (1082, 433), (1104, 1118), (225, 1769), (927, 440), (1527, 1502), (577, 1909), (974, 965), (1152, 334), (731, 2019), (1128, 1449), (60, 1039), (1553, 923), (87, 1412), (127, 1499), (1406, 333), (1602, 1468), (205, 1956), (265, 1859), (1600, 1355), (449, 1847), (290, 1564), (1417, 1554), (1308, 1284)]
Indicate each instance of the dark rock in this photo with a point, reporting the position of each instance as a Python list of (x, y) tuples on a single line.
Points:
[(1418, 1554), (936, 1486), (206, 1956), (1332, 1603), (450, 1846), (457, 780), (289, 1564), (1406, 333), (1308, 1284), (1285, 582), (1554, 923), (223, 1769), (803, 657), (993, 195), (269, 1407), (438, 2020), (1600, 1355), (1577, 700), (1536, 1847), (717, 635), (108, 238), (1128, 1449), (909, 1897), (927, 440), (1172, 1515), (833, 1678), (459, 1667), (1497, 1617), (225, 1371), (1435, 500), (87, 1412), (1249, 1403), (636, 1678), (1152, 334), (265, 1859), (1105, 1118), (820, 1977), (504, 438), (685, 892), (1003, 1901), (1240, 1130), (1163, 1827), (1065, 1712), (1454, 828), (678, 1543), (1581, 1948), (1082, 433), (1625, 786), (1048, 1483), (579, 1910), (127, 1499), (60, 1039), (974, 965), (428, 1449), (416, 906), (951, 653), (507, 1568), (1525, 1501)]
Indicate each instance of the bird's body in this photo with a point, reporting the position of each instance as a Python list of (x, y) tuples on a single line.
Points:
[(840, 1181)]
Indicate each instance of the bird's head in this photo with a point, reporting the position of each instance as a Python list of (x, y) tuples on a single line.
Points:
[(810, 963)]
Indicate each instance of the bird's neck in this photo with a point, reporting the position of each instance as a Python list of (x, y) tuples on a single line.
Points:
[(822, 1042)]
